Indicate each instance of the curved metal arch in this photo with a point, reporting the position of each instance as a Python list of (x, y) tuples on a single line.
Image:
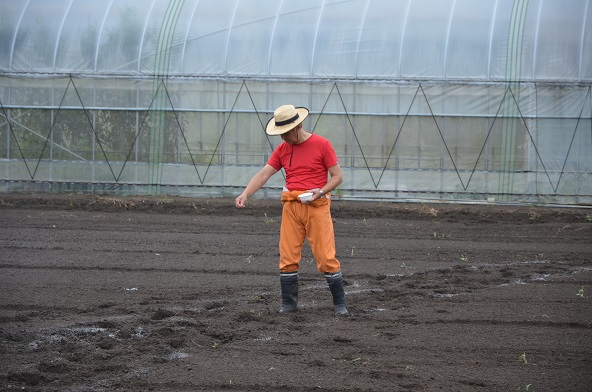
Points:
[(228, 37), (448, 37), (360, 36), (187, 36), (536, 40), (141, 46), (403, 36), (100, 36), (277, 17), (16, 30), (491, 38), (583, 39), (314, 42), (57, 44)]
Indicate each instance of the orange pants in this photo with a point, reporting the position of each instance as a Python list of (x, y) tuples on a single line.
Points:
[(311, 221)]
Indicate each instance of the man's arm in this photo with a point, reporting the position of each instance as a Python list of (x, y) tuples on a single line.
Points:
[(336, 177), (254, 185)]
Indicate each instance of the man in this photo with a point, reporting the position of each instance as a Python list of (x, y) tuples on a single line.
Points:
[(311, 165)]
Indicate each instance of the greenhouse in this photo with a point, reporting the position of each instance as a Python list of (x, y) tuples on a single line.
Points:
[(449, 100)]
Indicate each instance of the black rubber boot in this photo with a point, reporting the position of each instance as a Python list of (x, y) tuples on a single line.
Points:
[(335, 282), (289, 285)]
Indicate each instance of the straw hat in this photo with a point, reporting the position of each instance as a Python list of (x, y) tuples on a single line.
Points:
[(284, 119)]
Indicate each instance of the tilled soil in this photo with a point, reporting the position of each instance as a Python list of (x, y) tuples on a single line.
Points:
[(178, 294)]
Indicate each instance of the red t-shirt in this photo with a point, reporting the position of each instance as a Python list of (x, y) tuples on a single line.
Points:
[(306, 164)]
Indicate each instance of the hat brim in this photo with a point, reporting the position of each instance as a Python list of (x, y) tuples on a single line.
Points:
[(273, 130)]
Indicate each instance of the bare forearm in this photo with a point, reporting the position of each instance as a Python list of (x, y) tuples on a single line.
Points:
[(333, 183), (335, 179), (255, 184)]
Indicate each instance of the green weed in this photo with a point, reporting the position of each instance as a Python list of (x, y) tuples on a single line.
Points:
[(338, 193), (267, 219), (165, 201), (533, 216)]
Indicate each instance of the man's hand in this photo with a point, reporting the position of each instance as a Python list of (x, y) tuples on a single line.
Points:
[(316, 193), (241, 201)]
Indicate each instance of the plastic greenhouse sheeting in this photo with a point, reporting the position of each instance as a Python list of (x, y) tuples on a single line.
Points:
[(443, 99)]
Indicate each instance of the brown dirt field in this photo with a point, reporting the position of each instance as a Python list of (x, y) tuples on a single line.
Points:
[(179, 294)]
